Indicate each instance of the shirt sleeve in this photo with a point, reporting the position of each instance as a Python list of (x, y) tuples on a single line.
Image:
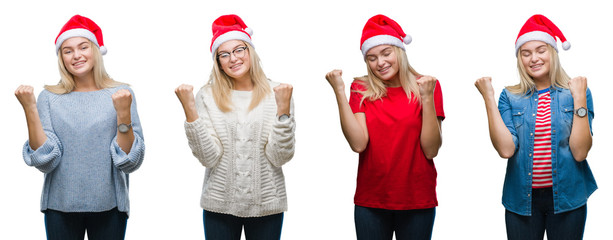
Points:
[(201, 136), (355, 98), (438, 101), (590, 108), (280, 146), (504, 107), (46, 157)]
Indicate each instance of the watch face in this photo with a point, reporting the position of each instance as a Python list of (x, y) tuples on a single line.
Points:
[(123, 128), (581, 112)]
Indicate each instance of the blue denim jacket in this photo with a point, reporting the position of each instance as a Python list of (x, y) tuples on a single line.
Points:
[(573, 181)]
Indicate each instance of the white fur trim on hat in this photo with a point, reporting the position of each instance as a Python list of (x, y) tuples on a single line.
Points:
[(381, 40), (232, 35), (535, 35), (77, 32)]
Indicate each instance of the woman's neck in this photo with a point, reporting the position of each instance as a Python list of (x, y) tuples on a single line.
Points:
[(243, 84), (85, 84)]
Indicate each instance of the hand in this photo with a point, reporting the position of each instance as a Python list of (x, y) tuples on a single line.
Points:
[(283, 95), (25, 95), (185, 94), (122, 99), (335, 79), (484, 85), (426, 86), (578, 87)]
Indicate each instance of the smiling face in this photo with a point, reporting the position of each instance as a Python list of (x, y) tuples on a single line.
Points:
[(78, 56), (234, 59), (536, 59), (383, 62)]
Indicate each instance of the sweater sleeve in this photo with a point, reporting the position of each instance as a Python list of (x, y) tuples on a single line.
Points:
[(280, 145), (130, 162), (48, 156), (201, 136)]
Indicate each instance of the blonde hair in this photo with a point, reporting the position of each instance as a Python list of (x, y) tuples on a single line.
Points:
[(558, 76), (222, 84), (67, 84), (375, 88)]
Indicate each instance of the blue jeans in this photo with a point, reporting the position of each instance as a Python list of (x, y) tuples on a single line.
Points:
[(218, 226), (108, 225), (381, 224), (563, 226)]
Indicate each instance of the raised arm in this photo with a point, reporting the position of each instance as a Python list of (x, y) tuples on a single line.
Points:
[(431, 137), (36, 134), (353, 125), (43, 149), (201, 135), (580, 141), (501, 137), (128, 148), (281, 142)]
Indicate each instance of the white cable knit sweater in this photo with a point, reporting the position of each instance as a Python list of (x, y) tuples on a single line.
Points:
[(243, 152)]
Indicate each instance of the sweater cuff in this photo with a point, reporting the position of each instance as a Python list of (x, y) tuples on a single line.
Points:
[(43, 155), (131, 161)]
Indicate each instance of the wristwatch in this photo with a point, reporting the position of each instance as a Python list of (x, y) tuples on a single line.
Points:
[(283, 117), (581, 112), (124, 128)]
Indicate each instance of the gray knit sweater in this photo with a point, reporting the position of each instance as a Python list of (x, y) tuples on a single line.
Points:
[(243, 152), (85, 169)]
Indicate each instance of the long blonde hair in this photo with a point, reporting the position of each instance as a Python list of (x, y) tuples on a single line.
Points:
[(375, 88), (222, 84), (526, 84), (67, 84)]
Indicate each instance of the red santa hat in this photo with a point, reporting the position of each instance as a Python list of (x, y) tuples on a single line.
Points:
[(381, 30), (79, 26), (539, 27), (229, 27)]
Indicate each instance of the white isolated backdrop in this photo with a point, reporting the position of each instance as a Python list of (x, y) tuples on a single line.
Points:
[(157, 45)]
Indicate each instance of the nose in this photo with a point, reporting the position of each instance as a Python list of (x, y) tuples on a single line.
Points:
[(77, 54), (380, 62), (534, 57)]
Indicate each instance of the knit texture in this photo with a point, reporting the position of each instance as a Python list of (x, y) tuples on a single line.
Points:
[(243, 152), (85, 169)]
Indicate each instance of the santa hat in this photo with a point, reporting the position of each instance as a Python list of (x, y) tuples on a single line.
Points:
[(229, 27), (539, 27), (381, 30), (79, 26)]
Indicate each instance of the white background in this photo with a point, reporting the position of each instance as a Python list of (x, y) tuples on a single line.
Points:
[(155, 46)]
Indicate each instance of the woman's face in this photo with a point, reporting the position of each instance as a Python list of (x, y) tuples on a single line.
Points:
[(77, 55), (233, 57), (535, 57), (383, 62)]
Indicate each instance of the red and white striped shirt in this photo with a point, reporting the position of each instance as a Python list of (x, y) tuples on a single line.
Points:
[(541, 168)]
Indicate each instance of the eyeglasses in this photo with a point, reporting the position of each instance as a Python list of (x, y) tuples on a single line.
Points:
[(238, 53)]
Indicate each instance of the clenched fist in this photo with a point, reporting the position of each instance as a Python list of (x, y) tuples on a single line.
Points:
[(335, 79), (283, 96), (122, 99), (25, 95), (484, 85), (426, 86), (578, 87), (185, 93)]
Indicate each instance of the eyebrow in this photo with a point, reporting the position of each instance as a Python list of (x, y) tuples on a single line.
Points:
[(236, 47), (84, 42), (540, 46)]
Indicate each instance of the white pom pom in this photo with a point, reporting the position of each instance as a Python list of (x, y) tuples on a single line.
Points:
[(249, 31), (103, 50), (407, 40), (566, 45)]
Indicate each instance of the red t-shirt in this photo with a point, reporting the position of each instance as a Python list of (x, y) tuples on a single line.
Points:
[(393, 172)]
